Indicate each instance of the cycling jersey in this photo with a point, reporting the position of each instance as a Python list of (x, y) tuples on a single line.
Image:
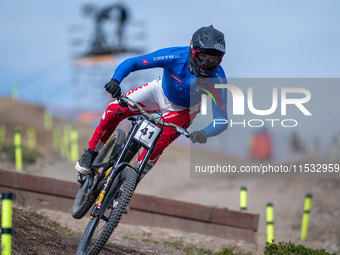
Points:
[(179, 85)]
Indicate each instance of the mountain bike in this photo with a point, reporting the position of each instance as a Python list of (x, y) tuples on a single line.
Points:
[(112, 179)]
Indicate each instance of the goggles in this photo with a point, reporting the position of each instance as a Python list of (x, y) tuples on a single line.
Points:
[(205, 58)]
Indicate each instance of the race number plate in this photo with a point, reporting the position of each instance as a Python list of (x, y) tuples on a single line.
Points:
[(147, 133)]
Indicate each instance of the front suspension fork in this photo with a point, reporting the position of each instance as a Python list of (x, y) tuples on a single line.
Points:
[(111, 175)]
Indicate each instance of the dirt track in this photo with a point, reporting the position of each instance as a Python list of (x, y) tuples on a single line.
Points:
[(170, 179)]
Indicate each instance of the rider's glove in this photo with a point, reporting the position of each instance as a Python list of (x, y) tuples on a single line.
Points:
[(113, 88), (199, 136)]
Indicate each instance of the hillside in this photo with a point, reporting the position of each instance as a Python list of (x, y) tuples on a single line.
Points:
[(171, 179)]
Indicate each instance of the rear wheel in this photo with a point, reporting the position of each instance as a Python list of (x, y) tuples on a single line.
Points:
[(100, 228), (87, 192)]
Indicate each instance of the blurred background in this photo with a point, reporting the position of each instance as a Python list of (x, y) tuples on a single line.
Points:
[(60, 54)]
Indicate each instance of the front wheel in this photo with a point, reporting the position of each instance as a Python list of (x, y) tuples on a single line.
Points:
[(100, 228), (87, 193)]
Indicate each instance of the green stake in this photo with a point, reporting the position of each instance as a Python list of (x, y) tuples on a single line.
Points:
[(31, 140), (56, 143), (270, 222), (18, 150), (2, 134), (6, 227), (305, 217), (74, 145), (243, 199), (64, 150)]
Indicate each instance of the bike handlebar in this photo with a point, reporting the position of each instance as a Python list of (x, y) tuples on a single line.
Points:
[(154, 119)]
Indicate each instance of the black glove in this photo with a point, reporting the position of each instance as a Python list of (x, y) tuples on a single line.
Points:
[(199, 136), (113, 88)]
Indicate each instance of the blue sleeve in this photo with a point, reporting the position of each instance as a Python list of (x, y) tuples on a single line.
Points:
[(219, 110), (161, 58)]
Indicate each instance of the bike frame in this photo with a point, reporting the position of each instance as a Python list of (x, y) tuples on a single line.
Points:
[(115, 183), (137, 138)]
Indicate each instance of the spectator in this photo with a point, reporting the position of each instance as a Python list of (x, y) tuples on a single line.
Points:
[(261, 146)]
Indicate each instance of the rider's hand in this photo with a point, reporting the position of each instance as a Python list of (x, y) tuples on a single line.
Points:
[(199, 137), (113, 88)]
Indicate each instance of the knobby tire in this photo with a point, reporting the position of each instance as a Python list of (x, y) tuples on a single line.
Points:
[(87, 195), (95, 235)]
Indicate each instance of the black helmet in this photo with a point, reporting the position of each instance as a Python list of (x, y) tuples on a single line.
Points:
[(206, 41)]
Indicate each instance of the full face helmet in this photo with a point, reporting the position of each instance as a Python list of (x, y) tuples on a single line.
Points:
[(207, 48)]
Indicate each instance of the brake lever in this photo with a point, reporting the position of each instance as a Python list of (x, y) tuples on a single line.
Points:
[(187, 134), (122, 103)]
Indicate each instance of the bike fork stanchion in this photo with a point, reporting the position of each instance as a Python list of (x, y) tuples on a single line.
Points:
[(6, 228)]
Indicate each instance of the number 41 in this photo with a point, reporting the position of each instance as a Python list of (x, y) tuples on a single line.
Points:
[(144, 131)]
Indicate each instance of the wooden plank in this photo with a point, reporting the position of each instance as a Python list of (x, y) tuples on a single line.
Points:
[(38, 184), (136, 217), (194, 211), (170, 207), (41, 192), (234, 218), (49, 186), (40, 201), (9, 179)]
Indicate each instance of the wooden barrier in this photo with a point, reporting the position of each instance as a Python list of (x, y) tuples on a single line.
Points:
[(52, 194)]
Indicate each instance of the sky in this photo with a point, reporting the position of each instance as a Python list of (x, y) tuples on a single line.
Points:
[(265, 39)]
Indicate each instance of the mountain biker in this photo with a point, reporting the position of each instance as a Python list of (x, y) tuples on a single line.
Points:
[(177, 95)]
